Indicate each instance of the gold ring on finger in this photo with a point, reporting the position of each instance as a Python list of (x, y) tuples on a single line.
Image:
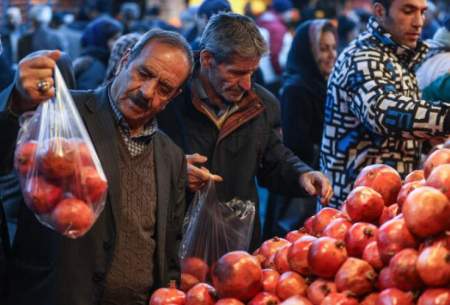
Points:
[(43, 86)]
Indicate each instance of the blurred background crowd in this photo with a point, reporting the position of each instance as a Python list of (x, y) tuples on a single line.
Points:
[(96, 33)]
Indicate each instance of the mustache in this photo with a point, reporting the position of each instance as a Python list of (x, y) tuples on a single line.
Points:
[(140, 101)]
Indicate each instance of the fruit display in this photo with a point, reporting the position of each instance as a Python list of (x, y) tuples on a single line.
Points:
[(389, 244), (62, 183)]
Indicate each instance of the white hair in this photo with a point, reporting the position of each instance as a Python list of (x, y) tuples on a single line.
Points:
[(41, 14), (14, 14)]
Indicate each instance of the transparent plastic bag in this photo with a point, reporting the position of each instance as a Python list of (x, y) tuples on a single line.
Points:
[(61, 177), (212, 229)]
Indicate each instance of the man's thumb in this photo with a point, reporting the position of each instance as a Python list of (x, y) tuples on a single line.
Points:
[(55, 55)]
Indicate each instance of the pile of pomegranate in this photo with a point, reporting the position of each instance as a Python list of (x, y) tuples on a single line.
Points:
[(61, 183), (389, 244)]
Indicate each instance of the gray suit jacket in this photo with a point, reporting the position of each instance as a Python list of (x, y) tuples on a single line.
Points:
[(49, 269)]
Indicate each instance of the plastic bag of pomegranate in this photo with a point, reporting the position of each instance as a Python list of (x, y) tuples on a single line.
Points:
[(61, 177), (213, 228)]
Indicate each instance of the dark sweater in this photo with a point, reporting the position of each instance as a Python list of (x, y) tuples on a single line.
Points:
[(130, 277)]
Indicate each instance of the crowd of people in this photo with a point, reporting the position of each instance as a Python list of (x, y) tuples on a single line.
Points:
[(296, 98)]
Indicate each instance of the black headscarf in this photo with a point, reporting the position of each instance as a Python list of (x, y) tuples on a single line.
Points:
[(302, 67)]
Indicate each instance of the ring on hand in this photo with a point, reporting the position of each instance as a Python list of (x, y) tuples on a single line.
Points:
[(43, 86)]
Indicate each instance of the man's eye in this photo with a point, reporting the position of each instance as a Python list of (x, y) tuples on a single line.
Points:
[(407, 11), (165, 90)]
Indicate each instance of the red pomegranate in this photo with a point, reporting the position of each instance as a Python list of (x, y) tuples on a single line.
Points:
[(439, 178), (364, 204), (406, 189), (323, 218), (415, 175), (319, 289), (389, 213), (356, 276), (426, 211), (383, 179), (393, 236), (269, 263), (337, 228), (298, 255), (385, 279), (187, 281), (281, 260), (308, 225), (89, 185), (170, 295), (435, 296), (73, 217), (403, 270), (24, 157), (57, 158), (229, 301), (290, 284), (295, 234), (201, 294), (238, 275), (344, 210), (296, 300), (84, 154), (270, 246), (394, 296), (195, 266), (358, 236), (438, 157), (41, 195), (433, 266), (371, 299), (325, 256), (270, 280), (264, 298), (372, 255), (440, 240), (335, 298)]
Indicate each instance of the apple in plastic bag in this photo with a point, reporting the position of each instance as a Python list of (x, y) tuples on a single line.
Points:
[(25, 157), (88, 185), (57, 158), (42, 195), (82, 148), (73, 217)]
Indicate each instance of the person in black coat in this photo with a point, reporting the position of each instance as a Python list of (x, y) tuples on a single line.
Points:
[(132, 247), (96, 42), (229, 125), (310, 61)]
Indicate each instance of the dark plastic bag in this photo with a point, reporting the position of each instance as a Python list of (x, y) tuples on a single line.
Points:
[(61, 177), (214, 228)]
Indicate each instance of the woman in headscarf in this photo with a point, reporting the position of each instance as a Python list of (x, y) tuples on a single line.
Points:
[(96, 42), (310, 61), (124, 43)]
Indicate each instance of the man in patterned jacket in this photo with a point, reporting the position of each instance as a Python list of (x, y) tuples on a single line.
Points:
[(373, 112)]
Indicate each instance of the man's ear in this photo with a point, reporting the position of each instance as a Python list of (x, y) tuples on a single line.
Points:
[(122, 62), (378, 10), (206, 59)]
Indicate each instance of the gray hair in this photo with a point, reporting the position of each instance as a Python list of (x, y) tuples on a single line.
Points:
[(167, 37), (229, 34), (41, 14)]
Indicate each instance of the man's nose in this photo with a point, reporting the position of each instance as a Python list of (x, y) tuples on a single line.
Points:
[(419, 20), (149, 87), (246, 82)]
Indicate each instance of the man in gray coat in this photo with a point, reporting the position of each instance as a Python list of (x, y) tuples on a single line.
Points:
[(132, 248)]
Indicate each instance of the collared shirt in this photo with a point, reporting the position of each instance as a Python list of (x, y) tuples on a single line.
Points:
[(217, 111), (136, 144)]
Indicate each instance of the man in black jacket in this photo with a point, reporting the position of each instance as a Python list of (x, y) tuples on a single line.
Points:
[(132, 247), (229, 126)]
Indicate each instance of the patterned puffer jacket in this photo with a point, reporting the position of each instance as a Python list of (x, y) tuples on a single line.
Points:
[(373, 111)]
